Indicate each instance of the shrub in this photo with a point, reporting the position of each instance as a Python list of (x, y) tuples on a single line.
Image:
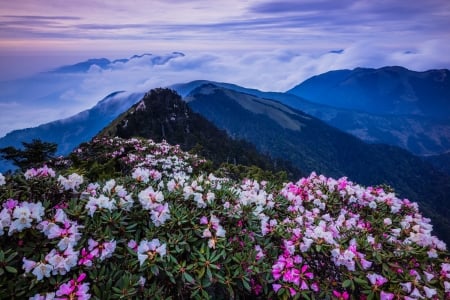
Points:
[(166, 230)]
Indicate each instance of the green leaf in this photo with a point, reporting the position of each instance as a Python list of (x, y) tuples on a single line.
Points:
[(246, 285), (11, 269), (347, 283), (360, 281), (188, 277)]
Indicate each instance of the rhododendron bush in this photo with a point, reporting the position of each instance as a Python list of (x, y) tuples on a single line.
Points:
[(164, 229)]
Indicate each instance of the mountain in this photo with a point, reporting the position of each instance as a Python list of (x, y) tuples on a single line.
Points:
[(312, 145), (65, 91), (70, 132), (163, 115), (421, 135), (387, 90), (105, 63), (441, 162)]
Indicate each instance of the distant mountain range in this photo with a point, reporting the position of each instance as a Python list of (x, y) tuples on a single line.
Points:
[(384, 91), (425, 133), (105, 63), (69, 133)]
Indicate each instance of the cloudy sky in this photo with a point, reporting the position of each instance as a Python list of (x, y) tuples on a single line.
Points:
[(264, 44)]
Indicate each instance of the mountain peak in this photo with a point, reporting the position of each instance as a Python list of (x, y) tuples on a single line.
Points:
[(390, 90)]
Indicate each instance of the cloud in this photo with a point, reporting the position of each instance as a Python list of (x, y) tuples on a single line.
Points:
[(264, 44), (276, 70)]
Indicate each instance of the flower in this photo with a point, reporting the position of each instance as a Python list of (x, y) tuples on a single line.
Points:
[(107, 249), (376, 279), (148, 250), (72, 182), (386, 296), (99, 203), (141, 174), (42, 270), (2, 179), (160, 214), (149, 198), (341, 295)]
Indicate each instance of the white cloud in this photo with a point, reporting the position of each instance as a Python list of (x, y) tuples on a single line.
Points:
[(277, 70)]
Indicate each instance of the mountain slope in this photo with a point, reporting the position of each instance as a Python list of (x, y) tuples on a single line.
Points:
[(163, 115), (311, 145), (69, 133), (417, 134), (388, 90), (440, 162)]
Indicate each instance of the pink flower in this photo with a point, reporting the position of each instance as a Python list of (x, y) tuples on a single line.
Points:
[(386, 296), (376, 279), (276, 287), (341, 296), (86, 258), (133, 245), (10, 204)]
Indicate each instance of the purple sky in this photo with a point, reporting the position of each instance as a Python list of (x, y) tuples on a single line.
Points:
[(414, 33), (264, 44)]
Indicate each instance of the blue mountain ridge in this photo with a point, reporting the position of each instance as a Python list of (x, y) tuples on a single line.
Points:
[(70, 132)]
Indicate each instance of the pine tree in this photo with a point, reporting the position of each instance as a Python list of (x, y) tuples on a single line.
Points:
[(33, 153)]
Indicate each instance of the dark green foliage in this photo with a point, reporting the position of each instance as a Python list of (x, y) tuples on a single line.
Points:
[(33, 154), (162, 115)]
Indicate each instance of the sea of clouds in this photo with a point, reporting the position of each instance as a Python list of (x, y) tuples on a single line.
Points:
[(48, 96)]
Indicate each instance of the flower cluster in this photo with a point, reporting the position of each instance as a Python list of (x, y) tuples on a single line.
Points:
[(165, 229), (346, 227), (153, 201), (19, 216), (62, 259), (72, 182), (213, 230), (96, 250), (39, 173)]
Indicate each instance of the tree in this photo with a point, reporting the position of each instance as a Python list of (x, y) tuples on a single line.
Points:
[(34, 153)]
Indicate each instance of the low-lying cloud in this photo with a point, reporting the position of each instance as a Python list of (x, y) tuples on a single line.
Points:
[(269, 71)]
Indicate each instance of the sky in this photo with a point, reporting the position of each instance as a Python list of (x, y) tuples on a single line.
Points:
[(264, 44)]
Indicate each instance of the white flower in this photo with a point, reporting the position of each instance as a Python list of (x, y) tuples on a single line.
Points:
[(108, 249), (22, 219), (2, 179), (98, 203), (109, 186), (141, 175), (73, 181), (148, 249), (149, 198), (198, 198), (160, 214), (42, 270), (220, 232), (429, 292), (387, 221), (447, 286), (28, 265)]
